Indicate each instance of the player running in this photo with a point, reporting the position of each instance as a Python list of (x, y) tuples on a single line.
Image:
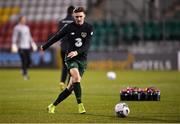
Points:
[(22, 42), (64, 72)]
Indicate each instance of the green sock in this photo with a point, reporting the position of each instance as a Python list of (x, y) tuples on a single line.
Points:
[(63, 95), (77, 91)]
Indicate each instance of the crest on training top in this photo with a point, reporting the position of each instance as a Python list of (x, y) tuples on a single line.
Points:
[(83, 34)]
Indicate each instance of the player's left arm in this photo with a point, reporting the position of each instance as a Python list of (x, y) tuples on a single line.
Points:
[(33, 44)]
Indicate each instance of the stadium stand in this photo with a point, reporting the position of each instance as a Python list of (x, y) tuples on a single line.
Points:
[(42, 16), (109, 33), (130, 31), (152, 30)]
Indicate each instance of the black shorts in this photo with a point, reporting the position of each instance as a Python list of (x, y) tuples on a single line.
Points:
[(80, 65)]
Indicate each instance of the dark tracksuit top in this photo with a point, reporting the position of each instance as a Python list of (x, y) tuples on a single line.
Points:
[(78, 39), (69, 19)]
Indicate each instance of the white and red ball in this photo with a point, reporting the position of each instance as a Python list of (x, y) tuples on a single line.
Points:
[(122, 110)]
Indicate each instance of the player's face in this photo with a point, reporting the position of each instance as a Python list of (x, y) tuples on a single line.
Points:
[(79, 17), (23, 20)]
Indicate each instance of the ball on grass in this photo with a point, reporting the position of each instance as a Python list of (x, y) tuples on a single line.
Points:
[(111, 75)]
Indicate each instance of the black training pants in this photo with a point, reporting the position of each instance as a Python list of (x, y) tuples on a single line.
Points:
[(25, 60)]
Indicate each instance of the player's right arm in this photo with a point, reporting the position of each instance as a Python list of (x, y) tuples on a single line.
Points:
[(14, 47), (56, 37)]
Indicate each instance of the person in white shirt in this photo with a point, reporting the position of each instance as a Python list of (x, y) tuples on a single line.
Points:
[(23, 43)]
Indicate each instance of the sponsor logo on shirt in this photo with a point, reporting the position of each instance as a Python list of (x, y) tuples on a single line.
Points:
[(83, 34)]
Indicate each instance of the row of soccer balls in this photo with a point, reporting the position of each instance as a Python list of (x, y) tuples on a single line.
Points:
[(122, 110)]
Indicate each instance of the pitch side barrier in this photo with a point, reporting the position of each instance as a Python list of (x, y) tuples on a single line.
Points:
[(98, 60), (135, 61), (38, 60)]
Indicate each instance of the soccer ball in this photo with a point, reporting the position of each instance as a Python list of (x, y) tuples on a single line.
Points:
[(111, 75), (122, 110)]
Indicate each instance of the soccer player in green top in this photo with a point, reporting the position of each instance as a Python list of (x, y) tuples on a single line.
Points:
[(78, 35)]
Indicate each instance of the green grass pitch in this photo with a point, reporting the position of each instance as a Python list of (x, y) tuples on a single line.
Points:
[(26, 101)]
